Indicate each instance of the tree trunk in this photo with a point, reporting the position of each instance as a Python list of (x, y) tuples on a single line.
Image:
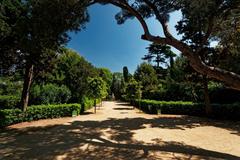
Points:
[(95, 106), (26, 86), (171, 66), (208, 107)]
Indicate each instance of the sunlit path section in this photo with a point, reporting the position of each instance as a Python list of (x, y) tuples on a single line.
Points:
[(118, 131)]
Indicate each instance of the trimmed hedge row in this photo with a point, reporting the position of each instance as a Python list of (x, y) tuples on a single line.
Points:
[(13, 116), (8, 101), (222, 111), (169, 107)]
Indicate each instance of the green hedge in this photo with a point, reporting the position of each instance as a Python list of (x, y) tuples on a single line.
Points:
[(226, 111), (169, 107), (88, 103), (222, 111), (9, 102), (12, 116)]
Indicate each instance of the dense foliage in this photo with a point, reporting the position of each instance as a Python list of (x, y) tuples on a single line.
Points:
[(88, 103), (133, 90), (49, 94), (12, 116), (73, 71), (118, 87), (9, 101), (221, 111), (97, 88), (66, 83), (38, 29)]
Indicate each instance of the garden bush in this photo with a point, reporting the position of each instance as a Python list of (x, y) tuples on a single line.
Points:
[(49, 94), (12, 116), (169, 107), (87, 103), (224, 96), (10, 87), (8, 101), (220, 111), (226, 111)]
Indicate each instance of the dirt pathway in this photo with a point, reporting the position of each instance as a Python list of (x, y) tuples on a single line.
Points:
[(118, 131)]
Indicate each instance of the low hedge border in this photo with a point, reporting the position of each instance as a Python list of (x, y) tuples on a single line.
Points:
[(220, 111), (13, 116)]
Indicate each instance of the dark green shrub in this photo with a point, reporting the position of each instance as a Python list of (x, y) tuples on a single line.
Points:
[(8, 101), (169, 107), (224, 96), (173, 91), (220, 111), (226, 111), (10, 87), (49, 94), (12, 116)]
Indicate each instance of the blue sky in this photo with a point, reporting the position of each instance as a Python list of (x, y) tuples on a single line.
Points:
[(104, 43)]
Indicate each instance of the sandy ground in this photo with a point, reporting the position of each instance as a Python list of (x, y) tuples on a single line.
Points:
[(118, 131)]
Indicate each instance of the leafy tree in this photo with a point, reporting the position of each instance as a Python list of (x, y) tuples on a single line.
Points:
[(160, 54), (9, 86), (49, 94), (10, 12), (215, 18), (118, 85), (72, 70), (133, 90), (146, 75), (97, 89), (107, 76), (184, 75), (126, 75), (39, 26)]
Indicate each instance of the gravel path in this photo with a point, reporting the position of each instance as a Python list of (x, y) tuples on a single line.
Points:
[(118, 131)]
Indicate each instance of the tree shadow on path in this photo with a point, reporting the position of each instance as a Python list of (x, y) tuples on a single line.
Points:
[(107, 139)]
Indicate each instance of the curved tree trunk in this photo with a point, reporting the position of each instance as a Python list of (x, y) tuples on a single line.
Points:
[(231, 79), (26, 86)]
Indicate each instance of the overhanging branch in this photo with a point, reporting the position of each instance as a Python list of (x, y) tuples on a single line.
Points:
[(229, 78)]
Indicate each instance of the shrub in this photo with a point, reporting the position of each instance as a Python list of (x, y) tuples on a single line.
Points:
[(224, 95), (8, 101), (169, 107), (10, 87), (12, 116), (220, 111), (226, 111), (49, 94), (87, 103)]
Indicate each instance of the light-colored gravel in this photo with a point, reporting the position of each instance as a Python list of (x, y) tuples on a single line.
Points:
[(118, 131)]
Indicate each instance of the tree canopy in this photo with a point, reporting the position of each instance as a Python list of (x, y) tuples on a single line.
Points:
[(32, 28), (146, 74)]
